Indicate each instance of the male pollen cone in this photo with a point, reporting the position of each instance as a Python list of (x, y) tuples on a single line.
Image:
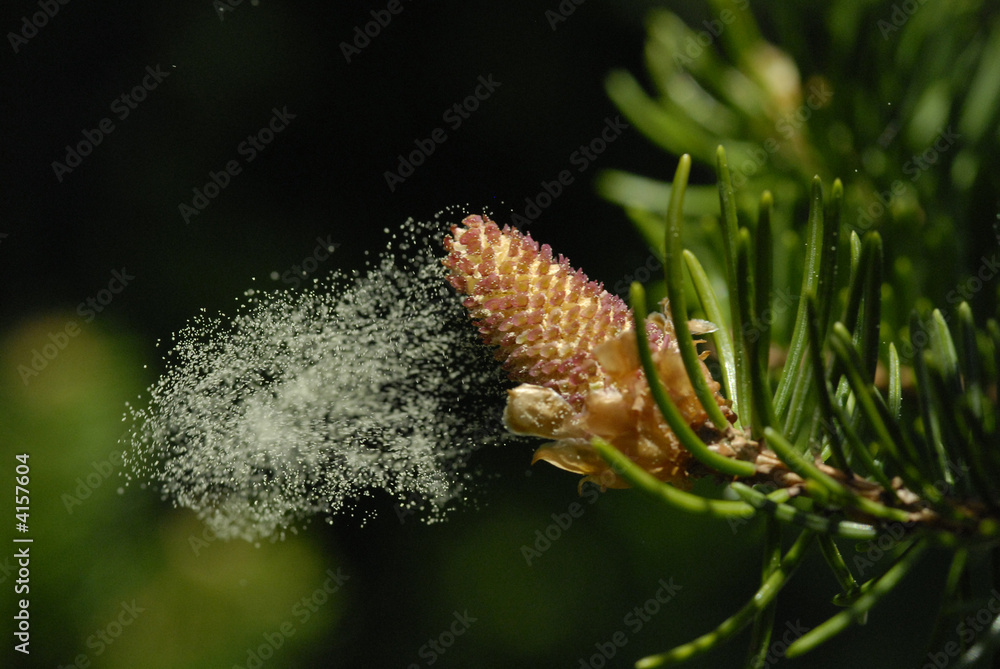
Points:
[(571, 346)]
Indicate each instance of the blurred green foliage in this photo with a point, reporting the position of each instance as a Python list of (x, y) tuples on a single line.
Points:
[(210, 605), (111, 569), (904, 104), (900, 100)]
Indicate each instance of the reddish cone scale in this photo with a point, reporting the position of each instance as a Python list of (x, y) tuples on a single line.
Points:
[(571, 346), (544, 316)]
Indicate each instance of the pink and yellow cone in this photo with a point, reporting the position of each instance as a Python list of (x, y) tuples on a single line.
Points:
[(570, 345)]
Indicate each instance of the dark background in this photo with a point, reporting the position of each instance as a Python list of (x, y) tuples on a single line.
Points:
[(206, 605), (325, 173)]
